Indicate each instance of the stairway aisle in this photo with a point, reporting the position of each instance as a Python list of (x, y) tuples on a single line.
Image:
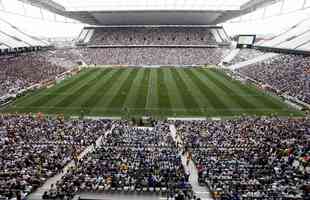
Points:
[(202, 192), (37, 194)]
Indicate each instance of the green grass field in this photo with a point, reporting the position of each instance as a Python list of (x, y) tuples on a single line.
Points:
[(160, 92)]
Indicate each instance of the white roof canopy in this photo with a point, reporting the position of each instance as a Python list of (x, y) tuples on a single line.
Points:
[(145, 5), (150, 12)]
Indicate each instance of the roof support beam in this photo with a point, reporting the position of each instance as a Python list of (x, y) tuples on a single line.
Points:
[(304, 4), (246, 8), (2, 5), (255, 4), (4, 44), (15, 38), (56, 8)]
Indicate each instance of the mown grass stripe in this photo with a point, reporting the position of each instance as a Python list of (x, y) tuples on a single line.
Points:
[(200, 90), (61, 92), (107, 72), (197, 93), (177, 105), (119, 99), (152, 97), (235, 85), (206, 91), (163, 95), (93, 95), (141, 98), (187, 97), (68, 100), (36, 97), (134, 89), (99, 94), (108, 96), (151, 101), (261, 99), (72, 82), (242, 102)]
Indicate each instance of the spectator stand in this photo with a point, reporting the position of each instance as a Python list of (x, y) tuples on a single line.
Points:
[(190, 168), (290, 100), (218, 151), (117, 196), (252, 61), (27, 71), (36, 195), (130, 160), (285, 74)]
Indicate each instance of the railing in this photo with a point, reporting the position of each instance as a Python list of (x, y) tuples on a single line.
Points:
[(156, 113)]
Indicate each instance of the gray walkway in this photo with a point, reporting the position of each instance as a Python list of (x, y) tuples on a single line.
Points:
[(252, 61), (37, 194), (202, 192), (119, 196), (231, 55)]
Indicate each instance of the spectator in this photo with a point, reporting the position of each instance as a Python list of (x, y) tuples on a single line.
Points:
[(288, 74), (251, 158), (130, 159), (153, 56), (152, 36), (32, 150)]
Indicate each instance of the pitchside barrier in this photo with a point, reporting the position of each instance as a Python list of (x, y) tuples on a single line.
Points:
[(150, 66), (291, 101), (150, 110), (13, 94), (153, 117), (155, 113)]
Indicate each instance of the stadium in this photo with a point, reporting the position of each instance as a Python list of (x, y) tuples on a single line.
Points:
[(154, 100)]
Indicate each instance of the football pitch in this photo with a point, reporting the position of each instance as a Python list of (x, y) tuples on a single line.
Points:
[(160, 92)]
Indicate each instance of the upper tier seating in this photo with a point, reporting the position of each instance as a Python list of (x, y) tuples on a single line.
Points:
[(152, 36), (289, 74)]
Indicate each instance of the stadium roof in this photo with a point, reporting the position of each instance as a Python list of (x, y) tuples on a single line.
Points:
[(126, 5), (150, 12)]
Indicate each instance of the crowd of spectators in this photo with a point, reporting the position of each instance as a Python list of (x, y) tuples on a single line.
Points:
[(153, 56), (123, 135), (32, 149), (251, 158), (245, 55), (26, 69), (288, 74), (128, 160), (153, 36), (19, 72), (245, 158), (175, 37), (66, 58)]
